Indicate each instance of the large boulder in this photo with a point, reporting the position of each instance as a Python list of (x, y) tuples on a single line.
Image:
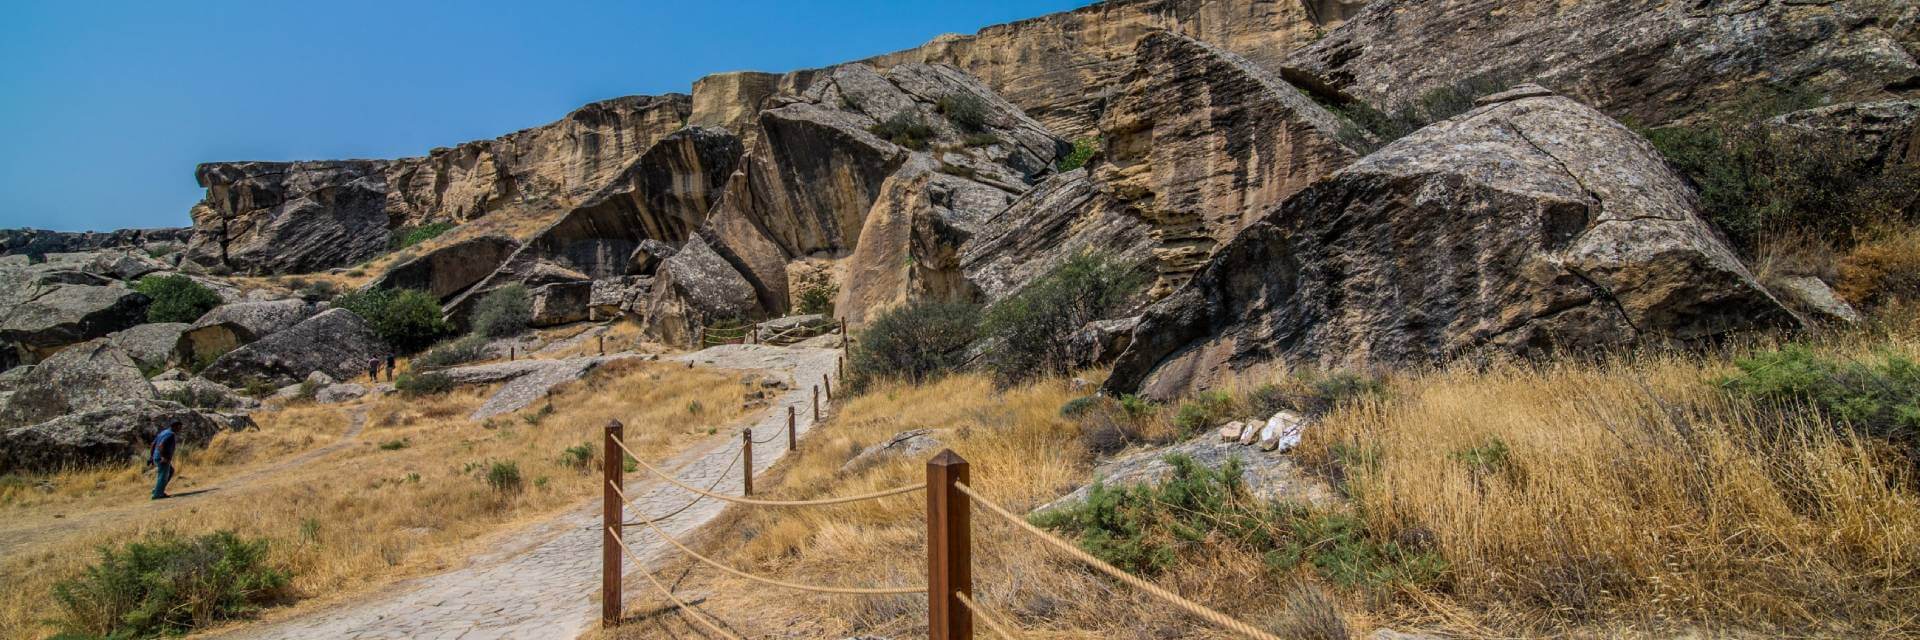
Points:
[(150, 345), (1200, 142), (278, 217), (694, 288), (909, 248), (450, 269), (53, 316), (119, 430), (199, 393), (618, 297), (124, 265), (1532, 224), (336, 342), (79, 378), (226, 327), (561, 303), (1061, 217)]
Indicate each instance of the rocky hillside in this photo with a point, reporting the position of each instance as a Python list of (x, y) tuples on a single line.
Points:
[(1335, 182)]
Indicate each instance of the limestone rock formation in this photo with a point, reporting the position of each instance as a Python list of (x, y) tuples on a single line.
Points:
[(124, 265), (1880, 133), (731, 100), (617, 297), (1200, 142), (278, 217), (335, 342), (910, 246), (41, 315), (150, 345), (1649, 63), (79, 378), (37, 243), (1060, 217), (1532, 224), (119, 430), (561, 303), (200, 393), (226, 327), (450, 269), (694, 288)]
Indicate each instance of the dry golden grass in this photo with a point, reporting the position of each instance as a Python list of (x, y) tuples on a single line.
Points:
[(1883, 269), (409, 497), (1635, 500)]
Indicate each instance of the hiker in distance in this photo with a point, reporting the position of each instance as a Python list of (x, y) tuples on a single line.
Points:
[(161, 458), (389, 366), (373, 369)]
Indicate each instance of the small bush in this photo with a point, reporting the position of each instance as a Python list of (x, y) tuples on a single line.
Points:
[(1432, 106), (405, 237), (577, 456), (905, 129), (166, 584), (1878, 397), (257, 388), (453, 352), (503, 312), (504, 477), (1082, 152), (1033, 328), (817, 292), (423, 384), (965, 110), (395, 445), (1135, 406), (407, 319), (1079, 406), (1882, 270), (176, 298), (309, 390), (1204, 410), (980, 140), (916, 342)]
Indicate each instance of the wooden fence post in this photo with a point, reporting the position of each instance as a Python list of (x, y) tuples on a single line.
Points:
[(816, 403), (949, 549), (700, 338), (827, 382), (746, 452), (603, 344), (791, 440), (843, 367), (610, 516), (511, 350)]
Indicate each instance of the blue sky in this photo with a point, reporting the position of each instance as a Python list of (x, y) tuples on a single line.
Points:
[(105, 107)]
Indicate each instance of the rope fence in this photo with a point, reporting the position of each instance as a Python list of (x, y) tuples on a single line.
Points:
[(1000, 629)]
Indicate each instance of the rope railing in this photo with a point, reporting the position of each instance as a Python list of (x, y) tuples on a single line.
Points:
[(763, 580), (1000, 629), (695, 615), (768, 503), (1198, 610), (696, 499)]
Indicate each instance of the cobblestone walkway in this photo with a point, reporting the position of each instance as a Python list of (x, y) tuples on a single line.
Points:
[(544, 582)]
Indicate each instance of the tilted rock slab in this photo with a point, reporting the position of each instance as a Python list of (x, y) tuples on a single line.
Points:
[(336, 342), (694, 288), (1532, 224), (79, 378), (226, 327), (450, 269), (40, 314), (116, 431)]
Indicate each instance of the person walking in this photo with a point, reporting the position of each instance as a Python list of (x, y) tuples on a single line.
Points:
[(373, 369), (389, 366), (160, 457)]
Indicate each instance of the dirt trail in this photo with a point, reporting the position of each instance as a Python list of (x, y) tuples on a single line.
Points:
[(543, 581), (24, 534)]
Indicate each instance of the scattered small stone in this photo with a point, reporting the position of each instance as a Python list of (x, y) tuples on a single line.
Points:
[(1231, 431)]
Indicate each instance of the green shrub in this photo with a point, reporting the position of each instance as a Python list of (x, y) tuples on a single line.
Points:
[(1370, 128), (407, 319), (423, 384), (320, 290), (965, 110), (1079, 406), (503, 312), (980, 140), (1205, 409), (176, 298), (453, 352), (504, 477), (817, 292), (916, 342), (405, 237), (577, 456), (1033, 328), (395, 445), (166, 584), (1135, 406), (1082, 152), (1878, 397), (905, 129)]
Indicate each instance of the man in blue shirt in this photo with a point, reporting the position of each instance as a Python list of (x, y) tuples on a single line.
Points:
[(161, 457)]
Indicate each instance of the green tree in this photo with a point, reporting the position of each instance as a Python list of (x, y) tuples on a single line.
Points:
[(503, 312), (176, 298), (407, 319), (1032, 329)]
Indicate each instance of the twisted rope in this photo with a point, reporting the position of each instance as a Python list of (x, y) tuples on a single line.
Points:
[(768, 503), (696, 499), (684, 608), (1200, 611), (769, 581), (999, 628), (777, 433)]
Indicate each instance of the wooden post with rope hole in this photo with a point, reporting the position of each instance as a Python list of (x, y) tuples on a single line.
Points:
[(791, 439), (746, 468), (827, 382), (610, 513), (816, 403), (949, 549)]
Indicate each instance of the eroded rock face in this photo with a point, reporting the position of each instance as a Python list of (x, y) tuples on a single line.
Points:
[(561, 303), (336, 342), (46, 315), (150, 345), (910, 245), (694, 288), (119, 430), (1882, 133), (1059, 218), (1200, 142), (37, 243), (450, 269), (1531, 225), (79, 378), (731, 100), (1648, 62), (278, 217), (226, 327)]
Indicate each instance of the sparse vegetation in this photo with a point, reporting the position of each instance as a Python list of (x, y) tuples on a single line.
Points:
[(166, 584), (176, 298), (453, 352), (1877, 396), (406, 237), (503, 312), (1883, 270), (816, 293), (965, 110), (407, 319), (504, 477), (1370, 128), (916, 342), (423, 384), (1033, 328), (905, 129), (1203, 410), (1083, 149)]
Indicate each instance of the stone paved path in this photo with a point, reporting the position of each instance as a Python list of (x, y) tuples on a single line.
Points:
[(23, 534), (544, 582)]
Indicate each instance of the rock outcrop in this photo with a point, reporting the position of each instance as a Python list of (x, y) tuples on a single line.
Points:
[(1532, 224), (80, 378), (450, 269), (228, 326), (280, 217), (694, 288), (731, 100), (119, 430), (37, 243), (44, 315), (336, 342), (1060, 217), (150, 345), (1649, 63)]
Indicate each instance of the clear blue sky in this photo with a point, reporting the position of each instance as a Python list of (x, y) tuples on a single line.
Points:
[(105, 107)]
